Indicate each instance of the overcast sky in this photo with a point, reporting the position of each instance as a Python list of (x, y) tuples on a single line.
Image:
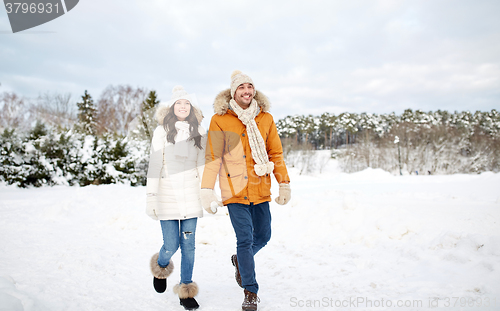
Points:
[(308, 57)]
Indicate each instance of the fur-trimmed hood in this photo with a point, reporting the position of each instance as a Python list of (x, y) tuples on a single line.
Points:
[(162, 112), (221, 103)]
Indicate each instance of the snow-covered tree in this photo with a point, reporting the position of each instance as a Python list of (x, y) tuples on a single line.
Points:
[(144, 125), (87, 115)]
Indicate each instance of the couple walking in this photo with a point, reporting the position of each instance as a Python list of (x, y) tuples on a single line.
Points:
[(242, 148)]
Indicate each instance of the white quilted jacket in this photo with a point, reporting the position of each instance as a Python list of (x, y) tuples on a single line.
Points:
[(173, 183)]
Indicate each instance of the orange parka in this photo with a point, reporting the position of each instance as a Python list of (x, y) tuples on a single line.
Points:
[(228, 154)]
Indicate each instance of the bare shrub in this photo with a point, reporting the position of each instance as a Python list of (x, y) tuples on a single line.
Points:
[(12, 111), (54, 110), (299, 155), (117, 107)]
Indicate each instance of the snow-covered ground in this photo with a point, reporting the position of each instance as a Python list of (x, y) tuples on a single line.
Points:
[(362, 241)]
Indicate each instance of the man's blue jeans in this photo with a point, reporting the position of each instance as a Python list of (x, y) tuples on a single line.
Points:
[(252, 226), (179, 233)]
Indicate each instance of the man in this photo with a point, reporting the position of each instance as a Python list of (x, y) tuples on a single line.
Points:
[(243, 149)]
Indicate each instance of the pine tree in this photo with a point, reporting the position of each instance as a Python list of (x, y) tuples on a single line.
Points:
[(148, 122), (36, 169), (87, 115), (11, 156)]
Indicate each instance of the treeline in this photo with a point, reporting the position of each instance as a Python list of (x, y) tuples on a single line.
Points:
[(112, 113), (51, 141), (427, 142)]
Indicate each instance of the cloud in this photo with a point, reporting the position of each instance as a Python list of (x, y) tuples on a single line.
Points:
[(308, 57)]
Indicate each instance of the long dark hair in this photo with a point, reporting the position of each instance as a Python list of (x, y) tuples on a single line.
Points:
[(169, 126)]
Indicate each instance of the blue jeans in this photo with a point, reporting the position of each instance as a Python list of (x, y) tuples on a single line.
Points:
[(179, 233), (252, 226)]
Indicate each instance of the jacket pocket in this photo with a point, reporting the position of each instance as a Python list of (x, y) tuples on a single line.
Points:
[(232, 180), (265, 185)]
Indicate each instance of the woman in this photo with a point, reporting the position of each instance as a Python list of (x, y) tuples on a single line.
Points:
[(173, 190)]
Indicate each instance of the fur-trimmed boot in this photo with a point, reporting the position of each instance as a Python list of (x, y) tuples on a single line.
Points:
[(186, 294), (160, 274)]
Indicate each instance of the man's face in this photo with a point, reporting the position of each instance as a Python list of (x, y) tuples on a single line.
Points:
[(244, 95)]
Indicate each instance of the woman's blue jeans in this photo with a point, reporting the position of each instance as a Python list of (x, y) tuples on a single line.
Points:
[(179, 233), (252, 226)]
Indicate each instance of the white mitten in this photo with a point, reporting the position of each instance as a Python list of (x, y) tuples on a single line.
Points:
[(207, 197), (151, 205), (285, 194)]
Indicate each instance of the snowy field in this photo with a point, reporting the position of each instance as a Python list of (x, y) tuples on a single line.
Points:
[(362, 241)]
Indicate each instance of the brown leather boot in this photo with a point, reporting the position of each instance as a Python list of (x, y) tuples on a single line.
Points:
[(237, 276), (250, 302)]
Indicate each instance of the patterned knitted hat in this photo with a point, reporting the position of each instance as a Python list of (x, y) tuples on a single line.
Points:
[(237, 79), (178, 92)]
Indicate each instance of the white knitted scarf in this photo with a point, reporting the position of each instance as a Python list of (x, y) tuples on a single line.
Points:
[(257, 146), (181, 145)]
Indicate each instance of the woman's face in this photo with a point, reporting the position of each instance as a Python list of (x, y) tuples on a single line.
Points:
[(182, 108)]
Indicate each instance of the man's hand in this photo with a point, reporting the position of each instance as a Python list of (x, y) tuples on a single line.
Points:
[(285, 194), (208, 197)]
